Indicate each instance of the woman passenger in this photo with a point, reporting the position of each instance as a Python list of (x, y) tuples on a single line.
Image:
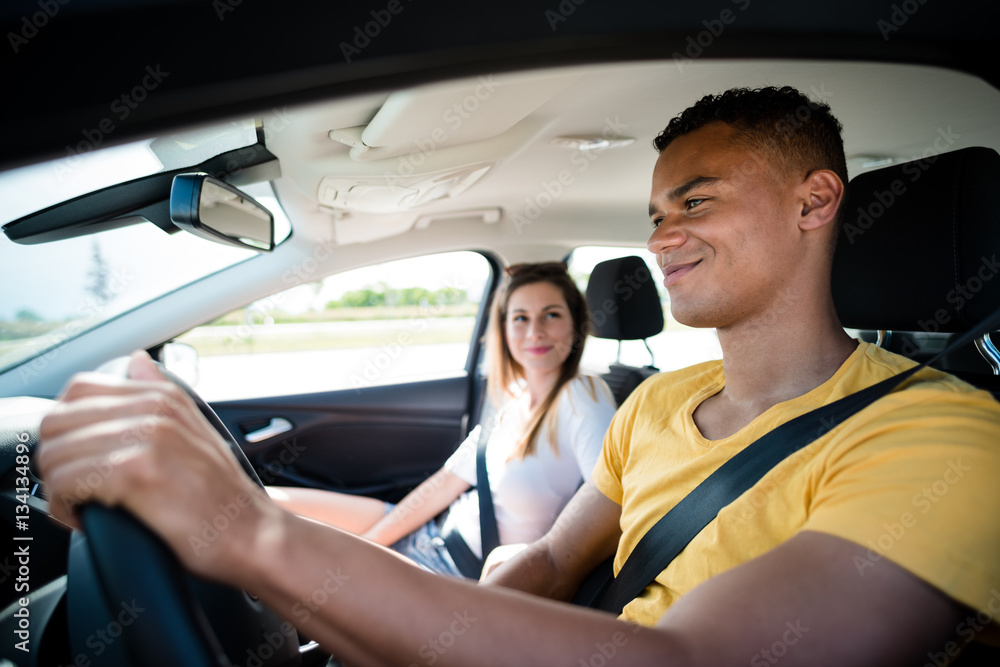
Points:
[(542, 444)]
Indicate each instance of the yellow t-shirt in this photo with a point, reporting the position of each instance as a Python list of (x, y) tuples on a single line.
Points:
[(915, 477)]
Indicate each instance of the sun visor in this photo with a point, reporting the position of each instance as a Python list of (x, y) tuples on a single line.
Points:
[(453, 114)]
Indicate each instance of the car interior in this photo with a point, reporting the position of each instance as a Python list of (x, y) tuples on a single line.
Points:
[(948, 231), (504, 142)]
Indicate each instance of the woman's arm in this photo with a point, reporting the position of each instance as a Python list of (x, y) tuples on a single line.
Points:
[(355, 514), (366, 516), (419, 506)]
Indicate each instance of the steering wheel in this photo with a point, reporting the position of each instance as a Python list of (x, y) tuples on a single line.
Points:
[(175, 618)]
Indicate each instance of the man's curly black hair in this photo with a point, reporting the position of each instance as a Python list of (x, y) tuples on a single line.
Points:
[(799, 134)]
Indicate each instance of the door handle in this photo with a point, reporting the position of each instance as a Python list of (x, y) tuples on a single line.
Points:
[(277, 426)]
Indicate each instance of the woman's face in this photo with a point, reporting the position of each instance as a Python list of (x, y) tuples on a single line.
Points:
[(539, 327)]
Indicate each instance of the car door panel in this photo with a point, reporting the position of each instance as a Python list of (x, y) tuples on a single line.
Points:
[(378, 441)]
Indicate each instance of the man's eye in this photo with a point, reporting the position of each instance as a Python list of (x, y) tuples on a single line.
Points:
[(656, 222), (553, 314), (691, 203)]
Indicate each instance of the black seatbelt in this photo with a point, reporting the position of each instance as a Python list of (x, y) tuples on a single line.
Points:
[(675, 530), (465, 560), (489, 535)]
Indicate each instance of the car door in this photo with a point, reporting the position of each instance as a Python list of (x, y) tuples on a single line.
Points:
[(362, 383)]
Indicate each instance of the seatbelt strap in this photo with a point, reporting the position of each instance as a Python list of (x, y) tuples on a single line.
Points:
[(675, 530), (467, 563), (465, 560), (489, 534)]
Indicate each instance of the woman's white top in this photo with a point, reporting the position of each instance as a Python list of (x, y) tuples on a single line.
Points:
[(529, 493)]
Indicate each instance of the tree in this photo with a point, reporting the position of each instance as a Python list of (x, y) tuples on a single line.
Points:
[(413, 296), (449, 296), (100, 275), (28, 315), (362, 298)]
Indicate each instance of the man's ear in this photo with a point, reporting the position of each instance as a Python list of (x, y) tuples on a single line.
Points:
[(822, 193)]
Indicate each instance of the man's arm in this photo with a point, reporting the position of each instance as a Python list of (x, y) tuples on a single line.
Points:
[(805, 603), (586, 533)]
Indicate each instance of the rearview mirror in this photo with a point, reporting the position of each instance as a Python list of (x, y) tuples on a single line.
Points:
[(217, 211)]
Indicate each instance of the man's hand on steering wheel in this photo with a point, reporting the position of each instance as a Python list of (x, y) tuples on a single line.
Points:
[(141, 443)]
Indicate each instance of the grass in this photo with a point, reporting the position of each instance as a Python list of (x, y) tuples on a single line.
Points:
[(239, 317), (276, 338)]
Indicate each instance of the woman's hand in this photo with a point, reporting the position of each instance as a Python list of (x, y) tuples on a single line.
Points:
[(142, 444), (434, 495)]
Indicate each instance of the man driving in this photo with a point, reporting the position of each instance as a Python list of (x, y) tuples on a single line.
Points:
[(744, 211)]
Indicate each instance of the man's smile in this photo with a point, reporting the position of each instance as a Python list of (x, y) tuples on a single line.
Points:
[(674, 272)]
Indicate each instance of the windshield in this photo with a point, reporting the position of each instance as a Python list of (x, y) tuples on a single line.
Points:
[(84, 169), (55, 291), (51, 292)]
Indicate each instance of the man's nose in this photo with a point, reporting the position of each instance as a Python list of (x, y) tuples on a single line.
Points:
[(665, 236)]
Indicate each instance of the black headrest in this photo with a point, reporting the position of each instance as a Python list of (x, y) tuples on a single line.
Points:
[(624, 303), (919, 244)]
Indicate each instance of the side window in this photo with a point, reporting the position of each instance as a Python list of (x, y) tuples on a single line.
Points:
[(401, 321), (677, 346)]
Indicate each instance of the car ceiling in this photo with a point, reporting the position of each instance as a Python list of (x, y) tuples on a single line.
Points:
[(518, 118)]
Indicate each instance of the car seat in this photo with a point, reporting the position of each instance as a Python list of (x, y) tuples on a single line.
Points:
[(624, 305), (917, 252)]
